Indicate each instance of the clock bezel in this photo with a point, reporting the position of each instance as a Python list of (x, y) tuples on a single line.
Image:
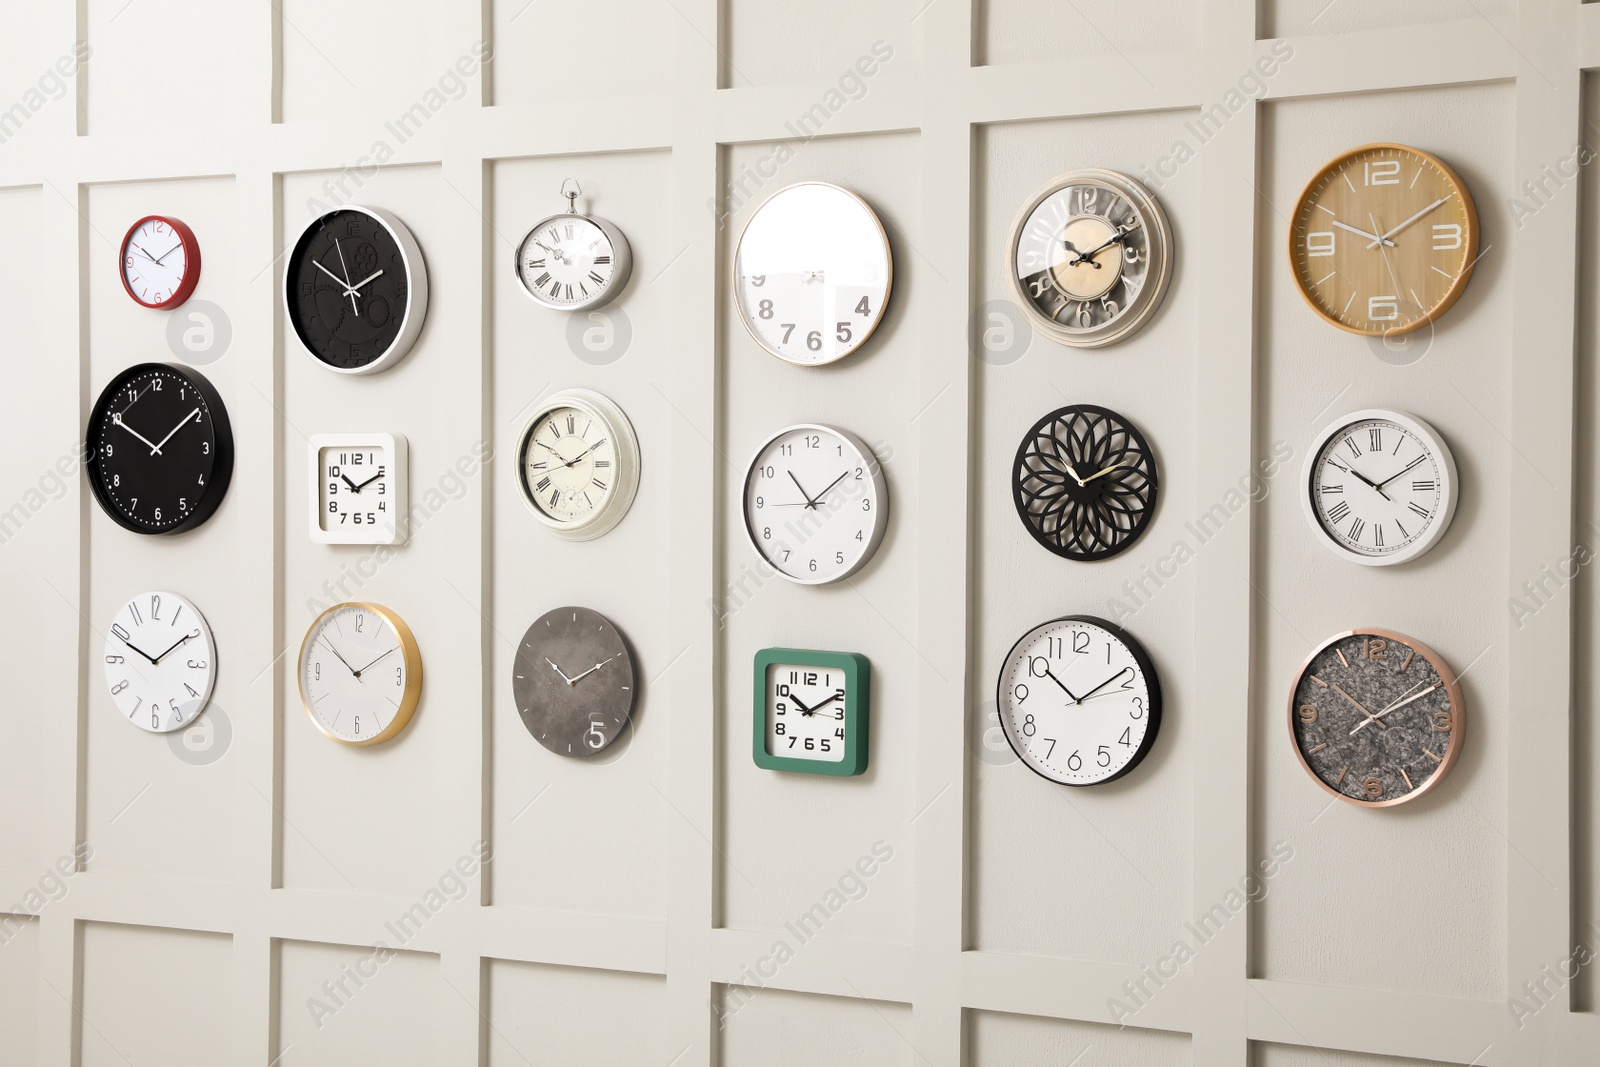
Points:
[(857, 671), (397, 449), (191, 262), (416, 290), (1452, 687), (619, 428), (621, 263), (411, 693)]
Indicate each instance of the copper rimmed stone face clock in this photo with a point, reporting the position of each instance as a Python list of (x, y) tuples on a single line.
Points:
[(356, 290), (816, 503), (1383, 239), (161, 663), (1376, 717), (812, 273), (360, 673), (578, 464), (160, 262), (573, 681), (1091, 257), (573, 262), (1084, 482)]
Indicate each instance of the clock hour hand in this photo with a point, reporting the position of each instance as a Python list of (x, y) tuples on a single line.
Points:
[(802, 705), (1376, 485), (341, 659), (147, 255), (181, 423), (1373, 237), (1103, 684), (558, 670), (116, 420), (1369, 716), (357, 286), (154, 660), (354, 488), (809, 502), (1048, 673)]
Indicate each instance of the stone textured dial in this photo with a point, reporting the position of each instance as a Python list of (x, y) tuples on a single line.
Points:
[(573, 681)]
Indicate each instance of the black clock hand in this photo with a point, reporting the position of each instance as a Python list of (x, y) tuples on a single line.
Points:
[(809, 502), (1399, 472), (1050, 675), (824, 704), (346, 662), (585, 452), (801, 705), (1103, 684), (366, 483), (139, 650), (1370, 482), (354, 488), (358, 673), (831, 484), (175, 644), (1118, 238)]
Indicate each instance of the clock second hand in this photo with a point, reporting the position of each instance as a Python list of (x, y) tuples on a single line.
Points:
[(351, 293)]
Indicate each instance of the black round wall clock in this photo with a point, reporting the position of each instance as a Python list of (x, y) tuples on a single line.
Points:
[(159, 449), (356, 290), (1084, 482)]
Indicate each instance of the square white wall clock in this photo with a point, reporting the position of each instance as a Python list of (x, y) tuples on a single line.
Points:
[(358, 488)]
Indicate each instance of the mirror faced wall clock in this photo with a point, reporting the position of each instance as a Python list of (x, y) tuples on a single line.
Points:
[(578, 464), (816, 503), (355, 288), (358, 488), (360, 673), (1091, 257), (1376, 717), (160, 449), (812, 273), (160, 661), (160, 262), (573, 262), (1084, 482), (573, 681), (1383, 239), (811, 711)]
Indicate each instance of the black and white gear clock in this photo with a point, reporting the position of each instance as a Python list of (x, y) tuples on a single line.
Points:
[(572, 261)]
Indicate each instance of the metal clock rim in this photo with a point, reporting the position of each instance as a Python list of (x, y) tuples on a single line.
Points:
[(1021, 504), (1152, 686), (1447, 472), (409, 697), (621, 268), (1451, 295), (1159, 279), (626, 489), (880, 486), (191, 253), (888, 281), (204, 699), (1452, 686), (416, 290)]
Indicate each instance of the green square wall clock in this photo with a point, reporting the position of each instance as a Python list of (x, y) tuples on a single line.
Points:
[(811, 711)]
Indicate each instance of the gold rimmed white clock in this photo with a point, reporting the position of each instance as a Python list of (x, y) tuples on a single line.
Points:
[(1383, 240), (360, 673)]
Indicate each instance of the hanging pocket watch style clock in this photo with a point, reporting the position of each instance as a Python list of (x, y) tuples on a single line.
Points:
[(159, 448), (573, 262), (360, 673), (358, 488), (355, 288), (1091, 257), (160, 661), (816, 503), (1376, 717), (573, 681), (1079, 701), (812, 273), (811, 711), (1380, 487), (578, 464), (1383, 240), (160, 262), (1084, 482)]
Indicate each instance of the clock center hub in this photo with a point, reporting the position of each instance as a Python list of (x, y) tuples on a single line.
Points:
[(1086, 271)]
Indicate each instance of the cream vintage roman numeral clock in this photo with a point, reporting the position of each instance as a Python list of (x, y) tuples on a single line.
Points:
[(1383, 240), (578, 464)]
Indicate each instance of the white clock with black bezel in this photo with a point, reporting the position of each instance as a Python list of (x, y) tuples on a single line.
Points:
[(1380, 487), (358, 488), (160, 662)]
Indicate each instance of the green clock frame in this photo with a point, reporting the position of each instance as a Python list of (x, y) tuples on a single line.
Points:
[(857, 703)]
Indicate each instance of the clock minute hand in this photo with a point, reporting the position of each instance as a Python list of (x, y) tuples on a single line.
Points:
[(1103, 684), (1363, 233), (830, 485), (1376, 485), (591, 670), (558, 670), (1369, 716), (358, 673), (181, 423), (1398, 704), (351, 293), (1408, 222), (364, 484), (346, 662), (1399, 472)]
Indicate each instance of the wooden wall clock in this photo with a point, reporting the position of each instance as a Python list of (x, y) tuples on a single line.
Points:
[(1084, 482), (1376, 717), (811, 711), (574, 262), (1383, 239), (574, 682), (160, 262), (360, 673)]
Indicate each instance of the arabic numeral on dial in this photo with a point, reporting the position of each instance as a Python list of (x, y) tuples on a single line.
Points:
[(1104, 756), (1029, 728), (842, 332), (1446, 236), (1074, 761), (764, 309), (814, 340), (1320, 243), (863, 308), (1138, 708), (1383, 308)]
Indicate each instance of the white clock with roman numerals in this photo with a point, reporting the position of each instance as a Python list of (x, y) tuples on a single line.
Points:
[(573, 262), (1380, 487), (578, 464), (160, 662)]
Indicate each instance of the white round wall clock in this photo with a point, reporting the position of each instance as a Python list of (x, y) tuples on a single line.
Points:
[(360, 673), (578, 464), (574, 262), (812, 273), (1380, 487), (160, 662), (816, 503)]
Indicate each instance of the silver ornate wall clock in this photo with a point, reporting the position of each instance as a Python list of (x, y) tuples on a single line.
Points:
[(1376, 717), (573, 681), (160, 662), (1090, 257), (1380, 487), (578, 464), (1084, 482), (572, 261)]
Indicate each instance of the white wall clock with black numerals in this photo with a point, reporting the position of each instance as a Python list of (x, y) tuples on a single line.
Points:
[(578, 464), (812, 273), (573, 681), (1376, 717), (811, 711), (1380, 487), (358, 488), (360, 673), (160, 662), (1079, 700), (160, 449), (355, 288), (160, 262), (1084, 482), (816, 503), (573, 262), (1091, 257)]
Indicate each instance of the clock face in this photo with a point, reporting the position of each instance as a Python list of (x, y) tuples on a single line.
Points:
[(1084, 482), (356, 290), (1383, 240), (160, 662), (160, 262), (160, 449), (1380, 486), (360, 673), (358, 489), (815, 503), (573, 262), (578, 462), (1091, 257), (1079, 701), (812, 273), (573, 681), (1376, 717), (811, 711)]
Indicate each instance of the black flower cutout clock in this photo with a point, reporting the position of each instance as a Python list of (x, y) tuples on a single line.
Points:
[(1084, 482)]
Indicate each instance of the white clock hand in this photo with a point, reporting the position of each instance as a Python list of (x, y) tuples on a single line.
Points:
[(116, 420), (364, 281), (1408, 222), (558, 670), (334, 276), (175, 429), (591, 670), (351, 293), (1397, 705), (1373, 237)]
